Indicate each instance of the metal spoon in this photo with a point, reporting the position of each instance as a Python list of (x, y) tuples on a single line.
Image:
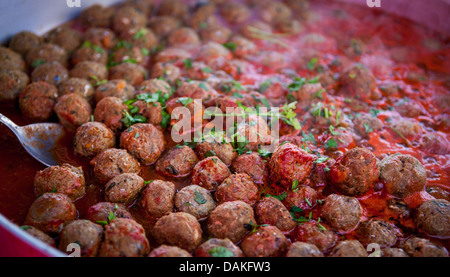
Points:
[(38, 139)]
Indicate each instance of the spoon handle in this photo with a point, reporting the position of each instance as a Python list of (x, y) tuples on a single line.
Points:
[(10, 124)]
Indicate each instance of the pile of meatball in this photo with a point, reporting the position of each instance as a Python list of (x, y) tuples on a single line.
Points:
[(84, 78)]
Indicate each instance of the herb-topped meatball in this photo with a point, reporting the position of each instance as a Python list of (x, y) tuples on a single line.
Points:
[(110, 112), (104, 212), (195, 200), (112, 162), (177, 162), (44, 53), (224, 151)]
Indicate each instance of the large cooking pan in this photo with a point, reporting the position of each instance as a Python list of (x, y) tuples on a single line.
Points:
[(41, 16)]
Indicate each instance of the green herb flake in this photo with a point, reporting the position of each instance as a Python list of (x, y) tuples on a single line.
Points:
[(199, 198), (220, 251)]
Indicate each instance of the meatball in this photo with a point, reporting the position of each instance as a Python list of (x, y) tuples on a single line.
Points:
[(224, 151), (10, 59), (164, 25), (354, 172), (134, 74), (37, 101), (213, 50), (235, 13), (238, 187), (289, 163), (320, 236), (175, 8), (195, 200), (303, 249), (39, 235), (93, 71), (73, 111), (357, 81), (96, 16), (12, 82), (46, 52), (393, 252), (65, 179), (230, 220), (53, 73), (104, 212), (377, 231), (366, 123), (420, 247), (435, 143), (167, 71), (183, 36), (215, 247), (124, 188), (85, 233), (177, 162), (65, 37), (209, 173), (267, 241), (172, 55), (348, 248), (152, 112), (110, 112), (244, 48), (342, 212), (178, 229), (303, 197), (127, 54), (101, 37), (402, 174), (143, 141), (154, 86), (169, 251), (275, 12), (157, 199), (92, 138), (143, 38), (50, 211), (124, 237), (79, 86), (89, 52), (219, 34), (253, 165), (433, 217), (127, 20), (408, 128), (197, 90), (23, 41), (270, 210), (112, 162)]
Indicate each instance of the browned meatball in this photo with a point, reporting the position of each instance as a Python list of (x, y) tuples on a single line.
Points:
[(253, 165), (319, 235), (154, 86), (178, 229), (163, 25), (224, 151), (142, 38), (408, 128), (65, 179), (101, 37), (12, 82), (93, 71), (234, 12), (433, 217), (157, 198), (112, 162), (117, 89), (342, 212), (89, 52), (39, 235), (92, 138), (66, 37), (402, 174), (348, 248), (435, 143), (215, 247), (303, 249), (303, 197), (366, 123), (46, 52), (128, 19), (267, 241), (169, 72), (238, 187), (126, 54), (354, 172), (37, 101), (144, 141), (377, 231), (23, 41), (183, 36), (124, 188), (195, 200), (151, 111), (50, 211), (96, 16), (124, 237), (215, 33), (82, 87), (357, 81), (110, 112), (274, 12), (73, 111), (104, 212), (175, 8), (209, 173), (177, 162), (270, 210), (85, 233), (169, 251), (289, 163), (130, 72), (420, 247), (393, 252), (10, 59), (52, 72), (230, 220)]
